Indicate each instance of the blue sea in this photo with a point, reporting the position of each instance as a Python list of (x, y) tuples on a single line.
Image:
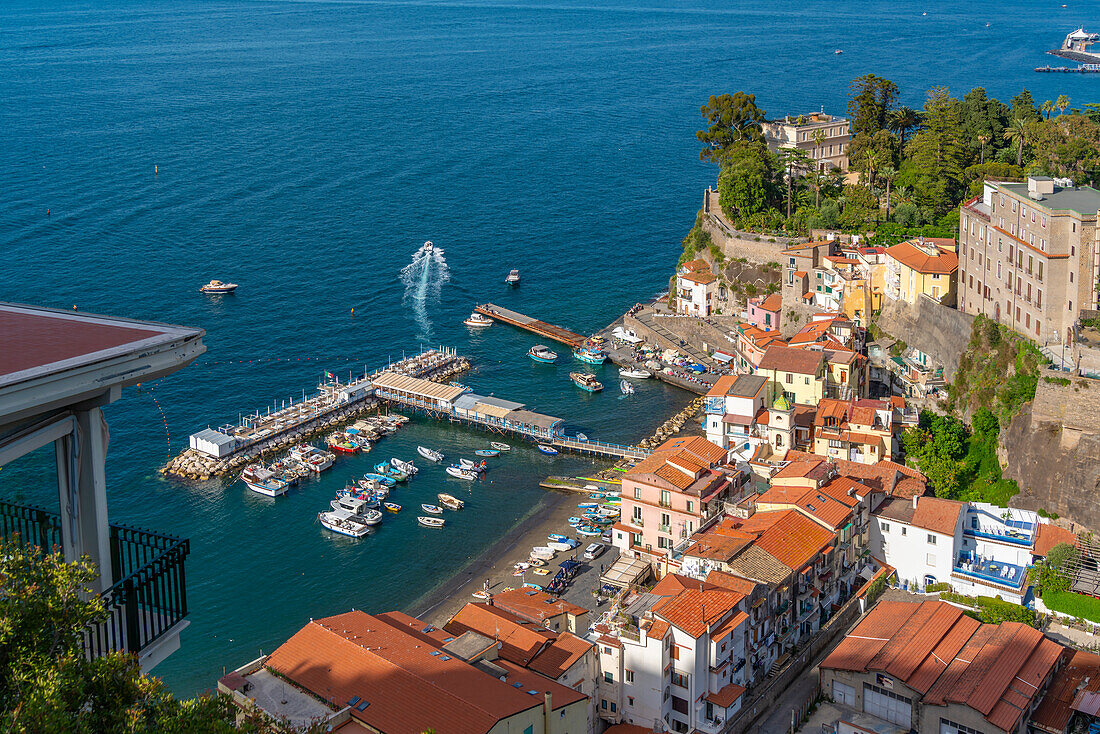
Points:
[(306, 149)]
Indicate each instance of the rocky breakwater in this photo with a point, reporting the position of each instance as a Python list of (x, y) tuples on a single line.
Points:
[(674, 424)]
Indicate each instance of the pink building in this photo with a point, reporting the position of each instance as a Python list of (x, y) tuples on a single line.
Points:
[(672, 494), (764, 311)]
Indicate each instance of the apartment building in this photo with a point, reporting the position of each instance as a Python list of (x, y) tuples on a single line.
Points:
[(823, 137), (695, 289), (863, 430), (752, 342), (735, 413), (1028, 256), (927, 266), (800, 374), (764, 311)]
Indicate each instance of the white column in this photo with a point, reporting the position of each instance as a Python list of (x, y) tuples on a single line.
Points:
[(82, 489)]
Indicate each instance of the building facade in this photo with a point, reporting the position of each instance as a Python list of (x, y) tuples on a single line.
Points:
[(823, 137), (922, 267)]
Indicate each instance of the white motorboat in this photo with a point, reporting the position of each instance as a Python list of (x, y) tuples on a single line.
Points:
[(313, 458), (460, 473), (513, 277), (427, 247), (542, 551), (217, 287), (344, 522), (634, 373), (477, 319), (475, 466), (450, 501), (432, 509), (406, 466), (626, 388), (429, 454), (264, 481), (500, 446), (555, 545), (431, 522)]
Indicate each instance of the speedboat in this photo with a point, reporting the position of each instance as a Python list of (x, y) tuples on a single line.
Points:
[(590, 355), (477, 319), (429, 454), (626, 388), (586, 381), (357, 508), (432, 509), (581, 437), (548, 450), (431, 522), (264, 481), (635, 373), (218, 288), (450, 501), (338, 521), (396, 474), (513, 277), (500, 446), (488, 452), (406, 466), (541, 353), (460, 473), (392, 506), (427, 247)]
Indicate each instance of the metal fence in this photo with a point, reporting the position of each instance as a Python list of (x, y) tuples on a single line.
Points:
[(148, 594)]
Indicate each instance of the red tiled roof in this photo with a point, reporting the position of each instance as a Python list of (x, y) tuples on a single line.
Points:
[(789, 359), (695, 266), (910, 255), (657, 630), (337, 658), (937, 515), (729, 581), (702, 448), (628, 729), (535, 605), (721, 385), (793, 539), (519, 640), (692, 610), (1054, 712), (725, 697), (1050, 535), (560, 655), (700, 278), (773, 303), (731, 624)]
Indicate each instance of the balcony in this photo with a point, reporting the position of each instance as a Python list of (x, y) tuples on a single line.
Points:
[(637, 521), (664, 529), (147, 600)]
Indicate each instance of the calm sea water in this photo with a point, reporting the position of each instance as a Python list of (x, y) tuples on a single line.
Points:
[(306, 149)]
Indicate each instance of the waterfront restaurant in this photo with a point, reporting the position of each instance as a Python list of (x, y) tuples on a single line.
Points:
[(58, 369), (415, 392)]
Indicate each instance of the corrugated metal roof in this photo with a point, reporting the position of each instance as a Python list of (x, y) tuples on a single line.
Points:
[(417, 386)]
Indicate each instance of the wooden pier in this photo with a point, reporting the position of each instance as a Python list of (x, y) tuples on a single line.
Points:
[(521, 321)]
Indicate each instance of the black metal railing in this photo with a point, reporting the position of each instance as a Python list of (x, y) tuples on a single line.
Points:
[(148, 595)]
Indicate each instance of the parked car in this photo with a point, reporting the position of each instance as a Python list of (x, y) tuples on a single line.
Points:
[(593, 551)]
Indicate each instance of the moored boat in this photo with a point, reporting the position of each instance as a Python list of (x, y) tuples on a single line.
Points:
[(338, 522), (548, 450), (513, 277), (542, 353), (635, 373), (474, 466), (217, 287), (460, 473), (431, 522), (626, 388), (406, 466), (392, 506), (432, 509), (557, 537), (500, 446), (381, 479), (450, 501), (342, 444), (586, 381), (477, 319), (487, 452), (429, 454)]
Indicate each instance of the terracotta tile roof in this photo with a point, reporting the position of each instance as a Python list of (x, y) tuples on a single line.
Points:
[(910, 255), (938, 515), (800, 273), (560, 655), (732, 623), (535, 605), (1050, 535), (692, 610), (1054, 712), (773, 303), (716, 547), (520, 640), (757, 564), (725, 580), (892, 478), (789, 359), (844, 489), (657, 630), (700, 278), (560, 695), (828, 512), (794, 540), (337, 658), (708, 452), (628, 729), (725, 697), (721, 385), (672, 584), (673, 475), (694, 266)]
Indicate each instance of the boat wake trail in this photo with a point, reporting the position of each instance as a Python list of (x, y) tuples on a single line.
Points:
[(424, 278)]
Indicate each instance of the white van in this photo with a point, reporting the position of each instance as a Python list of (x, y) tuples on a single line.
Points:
[(592, 551)]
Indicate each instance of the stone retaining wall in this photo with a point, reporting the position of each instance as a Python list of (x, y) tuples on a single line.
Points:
[(939, 331)]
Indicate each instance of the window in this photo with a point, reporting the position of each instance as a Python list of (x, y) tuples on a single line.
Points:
[(930, 559), (603, 705), (690, 505), (681, 680), (789, 378), (1071, 276), (931, 539), (630, 700), (1040, 271), (606, 650), (1039, 299), (950, 727), (666, 499), (665, 519), (612, 708), (637, 493), (885, 527), (629, 675), (904, 530), (608, 676), (807, 380)]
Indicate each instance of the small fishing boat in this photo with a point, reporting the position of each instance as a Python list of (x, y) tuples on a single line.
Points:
[(432, 509), (264, 481), (589, 530), (217, 287), (555, 545), (586, 381), (396, 474), (513, 277), (427, 247), (381, 479), (538, 562), (574, 521), (481, 594), (626, 388), (460, 473), (392, 506), (429, 454), (406, 466), (474, 466), (431, 522), (342, 444), (590, 355), (487, 452), (546, 553), (362, 441), (635, 373), (500, 446), (557, 537), (588, 505), (542, 353), (338, 521), (548, 450), (477, 319), (450, 501)]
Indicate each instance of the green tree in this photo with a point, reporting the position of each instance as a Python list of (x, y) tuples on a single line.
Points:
[(902, 120), (888, 175), (937, 153), (1018, 132), (1061, 103), (1023, 105), (1048, 108), (795, 163), (746, 181), (47, 684), (983, 121), (732, 119), (870, 99)]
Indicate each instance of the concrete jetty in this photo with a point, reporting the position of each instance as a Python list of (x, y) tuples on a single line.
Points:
[(522, 321)]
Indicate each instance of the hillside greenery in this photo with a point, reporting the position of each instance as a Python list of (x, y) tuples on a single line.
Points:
[(915, 166)]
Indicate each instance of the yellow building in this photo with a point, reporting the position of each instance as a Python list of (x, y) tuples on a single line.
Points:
[(924, 266), (800, 374)]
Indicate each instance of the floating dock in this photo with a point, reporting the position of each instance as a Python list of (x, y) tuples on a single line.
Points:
[(522, 321)]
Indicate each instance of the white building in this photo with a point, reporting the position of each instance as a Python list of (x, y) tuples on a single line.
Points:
[(734, 409), (695, 292)]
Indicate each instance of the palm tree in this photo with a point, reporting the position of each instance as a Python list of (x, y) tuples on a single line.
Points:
[(1017, 131), (820, 137), (1048, 107), (983, 139), (1061, 103), (902, 120), (888, 174)]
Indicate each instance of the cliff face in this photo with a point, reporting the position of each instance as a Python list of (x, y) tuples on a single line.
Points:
[(940, 332)]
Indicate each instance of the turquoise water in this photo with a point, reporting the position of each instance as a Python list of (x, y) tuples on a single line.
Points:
[(306, 149)]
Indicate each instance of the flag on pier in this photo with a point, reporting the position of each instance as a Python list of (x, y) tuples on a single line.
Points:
[(329, 376)]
